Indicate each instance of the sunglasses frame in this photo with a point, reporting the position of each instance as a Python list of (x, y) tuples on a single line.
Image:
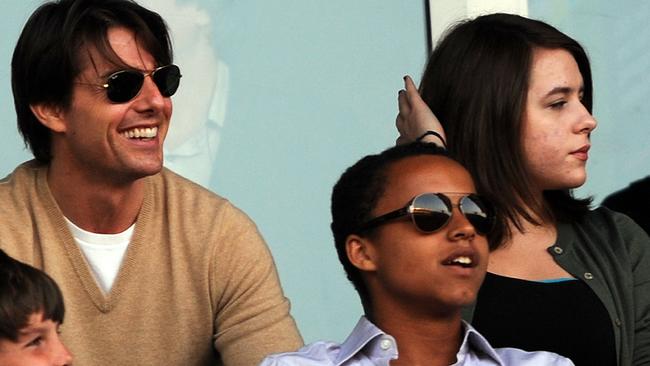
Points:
[(411, 210), (162, 87)]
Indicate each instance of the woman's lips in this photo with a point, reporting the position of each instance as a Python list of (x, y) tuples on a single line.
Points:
[(582, 153)]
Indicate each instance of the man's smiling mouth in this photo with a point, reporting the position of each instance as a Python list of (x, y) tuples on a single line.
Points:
[(140, 133)]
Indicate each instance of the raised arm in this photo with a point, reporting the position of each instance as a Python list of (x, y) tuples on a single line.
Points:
[(415, 119)]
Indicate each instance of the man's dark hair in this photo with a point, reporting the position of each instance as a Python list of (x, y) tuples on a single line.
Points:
[(53, 47), (476, 82), (355, 196), (24, 291)]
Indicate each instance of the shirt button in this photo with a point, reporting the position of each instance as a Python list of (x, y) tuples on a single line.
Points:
[(617, 322), (558, 250), (588, 276), (385, 344)]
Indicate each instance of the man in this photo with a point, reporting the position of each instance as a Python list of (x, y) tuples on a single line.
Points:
[(412, 236), (154, 269)]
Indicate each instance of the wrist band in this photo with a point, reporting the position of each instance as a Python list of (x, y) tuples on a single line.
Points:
[(434, 133)]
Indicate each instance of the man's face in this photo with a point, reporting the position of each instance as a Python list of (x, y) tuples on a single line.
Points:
[(422, 272), (98, 136), (38, 344)]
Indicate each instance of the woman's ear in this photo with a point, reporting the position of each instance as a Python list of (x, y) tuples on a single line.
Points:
[(51, 116), (361, 253)]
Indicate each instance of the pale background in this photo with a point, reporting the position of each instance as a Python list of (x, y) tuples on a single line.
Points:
[(278, 97)]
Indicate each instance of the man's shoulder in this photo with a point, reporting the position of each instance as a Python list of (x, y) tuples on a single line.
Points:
[(179, 195), (22, 174), (20, 188), (20, 207), (173, 180), (176, 189)]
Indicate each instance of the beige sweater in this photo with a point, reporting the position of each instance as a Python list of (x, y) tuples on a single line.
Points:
[(196, 277)]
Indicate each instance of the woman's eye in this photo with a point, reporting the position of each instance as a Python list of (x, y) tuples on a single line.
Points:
[(558, 104)]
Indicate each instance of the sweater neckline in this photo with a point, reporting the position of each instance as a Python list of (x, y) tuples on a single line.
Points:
[(127, 272)]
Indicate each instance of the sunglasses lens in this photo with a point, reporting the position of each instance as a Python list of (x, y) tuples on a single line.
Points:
[(124, 85), (477, 213), (167, 79), (430, 212)]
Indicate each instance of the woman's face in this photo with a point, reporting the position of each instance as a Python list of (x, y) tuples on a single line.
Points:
[(556, 125)]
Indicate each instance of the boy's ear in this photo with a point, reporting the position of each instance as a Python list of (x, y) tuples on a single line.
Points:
[(361, 253), (50, 115)]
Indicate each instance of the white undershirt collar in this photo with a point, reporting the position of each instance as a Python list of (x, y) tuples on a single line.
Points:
[(104, 252)]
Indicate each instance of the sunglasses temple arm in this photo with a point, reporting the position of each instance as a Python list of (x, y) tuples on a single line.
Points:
[(386, 217)]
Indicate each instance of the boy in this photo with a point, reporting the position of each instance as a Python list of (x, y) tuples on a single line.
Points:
[(412, 235), (31, 311)]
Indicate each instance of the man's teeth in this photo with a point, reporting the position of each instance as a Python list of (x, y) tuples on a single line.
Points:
[(462, 260), (141, 133)]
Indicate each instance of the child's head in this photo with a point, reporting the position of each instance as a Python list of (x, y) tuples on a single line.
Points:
[(410, 229), (31, 310)]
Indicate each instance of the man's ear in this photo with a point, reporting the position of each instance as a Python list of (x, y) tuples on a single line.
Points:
[(50, 115), (361, 253)]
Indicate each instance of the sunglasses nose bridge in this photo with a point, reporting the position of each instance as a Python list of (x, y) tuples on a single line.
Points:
[(459, 226)]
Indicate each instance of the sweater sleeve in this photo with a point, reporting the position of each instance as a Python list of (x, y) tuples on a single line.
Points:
[(252, 316), (638, 244)]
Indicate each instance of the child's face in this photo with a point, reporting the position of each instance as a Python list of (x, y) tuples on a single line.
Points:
[(418, 270), (38, 345)]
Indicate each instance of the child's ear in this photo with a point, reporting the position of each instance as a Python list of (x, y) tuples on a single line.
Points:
[(50, 115), (361, 253)]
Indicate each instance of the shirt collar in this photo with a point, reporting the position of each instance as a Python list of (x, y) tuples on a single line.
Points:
[(366, 332), (473, 342), (363, 333)]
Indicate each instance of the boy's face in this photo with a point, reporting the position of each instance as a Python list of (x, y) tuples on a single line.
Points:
[(38, 345), (416, 271)]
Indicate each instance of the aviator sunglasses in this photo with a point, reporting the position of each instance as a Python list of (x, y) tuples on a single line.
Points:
[(125, 85), (430, 212)]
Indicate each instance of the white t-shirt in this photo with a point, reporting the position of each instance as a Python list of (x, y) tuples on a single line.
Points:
[(104, 252)]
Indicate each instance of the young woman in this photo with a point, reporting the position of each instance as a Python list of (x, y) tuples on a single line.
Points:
[(514, 99)]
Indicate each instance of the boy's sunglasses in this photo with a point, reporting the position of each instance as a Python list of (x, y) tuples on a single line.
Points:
[(125, 85), (430, 212)]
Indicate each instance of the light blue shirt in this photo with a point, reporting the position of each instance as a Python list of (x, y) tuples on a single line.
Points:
[(368, 345)]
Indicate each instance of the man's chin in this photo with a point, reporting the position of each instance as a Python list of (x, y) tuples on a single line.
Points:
[(143, 169)]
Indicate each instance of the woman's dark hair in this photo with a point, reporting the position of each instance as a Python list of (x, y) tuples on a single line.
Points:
[(53, 47), (355, 196), (24, 291), (476, 82)]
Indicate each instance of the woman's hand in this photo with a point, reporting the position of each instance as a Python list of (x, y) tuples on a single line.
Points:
[(415, 118)]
